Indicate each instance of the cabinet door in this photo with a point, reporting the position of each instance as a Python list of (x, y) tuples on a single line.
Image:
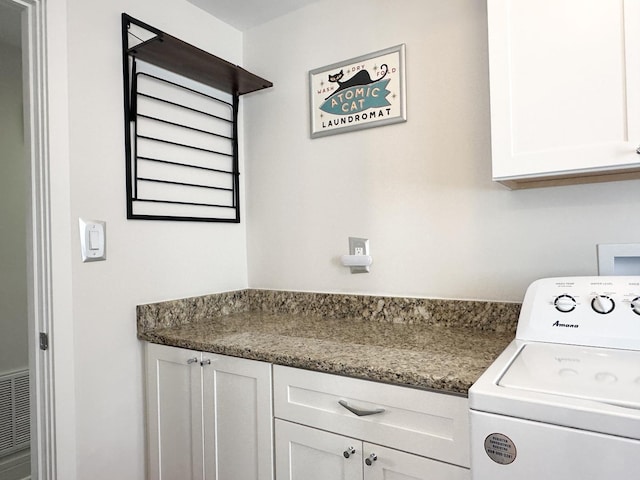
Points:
[(565, 87), (395, 465), (174, 414), (237, 418), (304, 453)]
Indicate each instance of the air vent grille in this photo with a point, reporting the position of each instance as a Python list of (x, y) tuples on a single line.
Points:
[(15, 412)]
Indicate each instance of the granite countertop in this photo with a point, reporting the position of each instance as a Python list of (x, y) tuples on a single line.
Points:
[(433, 357), (424, 352)]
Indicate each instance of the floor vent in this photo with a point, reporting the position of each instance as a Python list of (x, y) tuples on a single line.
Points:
[(15, 412)]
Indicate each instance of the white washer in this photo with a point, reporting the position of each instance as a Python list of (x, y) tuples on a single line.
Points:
[(563, 400)]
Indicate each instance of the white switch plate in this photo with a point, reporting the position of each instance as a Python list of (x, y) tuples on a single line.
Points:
[(93, 240)]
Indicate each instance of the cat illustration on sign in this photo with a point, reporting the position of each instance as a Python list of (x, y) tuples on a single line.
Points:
[(359, 79)]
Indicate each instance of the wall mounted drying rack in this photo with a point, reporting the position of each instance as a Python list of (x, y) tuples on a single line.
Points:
[(181, 127)]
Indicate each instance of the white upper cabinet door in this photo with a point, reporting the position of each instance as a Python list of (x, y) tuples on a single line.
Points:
[(174, 406), (565, 89)]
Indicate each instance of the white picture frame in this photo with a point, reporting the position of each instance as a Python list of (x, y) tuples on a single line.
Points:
[(362, 92)]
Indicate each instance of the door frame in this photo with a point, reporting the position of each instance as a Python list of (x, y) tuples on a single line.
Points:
[(38, 234)]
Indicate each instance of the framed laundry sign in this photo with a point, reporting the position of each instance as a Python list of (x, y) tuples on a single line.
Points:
[(363, 92)]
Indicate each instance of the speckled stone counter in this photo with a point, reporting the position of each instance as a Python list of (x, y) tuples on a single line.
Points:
[(434, 344)]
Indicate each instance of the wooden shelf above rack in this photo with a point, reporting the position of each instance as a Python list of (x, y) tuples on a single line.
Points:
[(179, 57)]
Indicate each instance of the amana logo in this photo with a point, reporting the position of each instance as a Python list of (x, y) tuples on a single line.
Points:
[(565, 325)]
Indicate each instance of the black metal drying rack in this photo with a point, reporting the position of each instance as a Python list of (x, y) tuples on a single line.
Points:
[(181, 140)]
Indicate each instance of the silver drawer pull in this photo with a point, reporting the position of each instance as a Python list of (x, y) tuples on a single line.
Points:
[(370, 459), (359, 411), (206, 361), (192, 360)]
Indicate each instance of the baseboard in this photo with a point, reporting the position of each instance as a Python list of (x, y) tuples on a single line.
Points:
[(16, 466)]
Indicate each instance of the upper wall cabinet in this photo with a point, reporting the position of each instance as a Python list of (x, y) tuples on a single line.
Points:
[(565, 91)]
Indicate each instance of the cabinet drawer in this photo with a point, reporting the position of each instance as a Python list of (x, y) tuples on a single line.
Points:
[(429, 424)]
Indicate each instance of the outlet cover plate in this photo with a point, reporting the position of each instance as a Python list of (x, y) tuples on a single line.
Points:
[(359, 246)]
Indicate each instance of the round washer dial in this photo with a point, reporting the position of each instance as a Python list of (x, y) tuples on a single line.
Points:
[(603, 304), (565, 303), (635, 305)]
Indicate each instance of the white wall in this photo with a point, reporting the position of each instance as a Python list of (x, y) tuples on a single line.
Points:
[(421, 191), (13, 197), (146, 261), (417, 190)]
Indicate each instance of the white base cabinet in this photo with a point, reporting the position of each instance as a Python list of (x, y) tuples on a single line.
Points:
[(328, 426), (305, 453), (209, 417), (565, 90)]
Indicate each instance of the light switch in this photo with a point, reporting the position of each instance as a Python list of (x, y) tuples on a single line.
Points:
[(94, 239), (93, 235)]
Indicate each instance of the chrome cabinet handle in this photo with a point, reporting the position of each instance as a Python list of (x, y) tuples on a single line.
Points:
[(348, 452), (206, 361), (359, 411), (192, 360), (370, 459), (638, 150)]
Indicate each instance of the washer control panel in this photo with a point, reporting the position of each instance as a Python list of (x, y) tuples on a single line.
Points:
[(596, 311)]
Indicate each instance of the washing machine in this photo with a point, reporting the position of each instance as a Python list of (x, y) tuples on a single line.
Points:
[(563, 400)]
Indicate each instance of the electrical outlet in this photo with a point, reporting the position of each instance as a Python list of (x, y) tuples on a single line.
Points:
[(359, 246)]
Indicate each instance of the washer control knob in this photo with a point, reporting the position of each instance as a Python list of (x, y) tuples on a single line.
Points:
[(565, 303), (603, 304), (635, 305)]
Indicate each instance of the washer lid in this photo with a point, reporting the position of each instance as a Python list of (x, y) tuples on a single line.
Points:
[(601, 374)]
